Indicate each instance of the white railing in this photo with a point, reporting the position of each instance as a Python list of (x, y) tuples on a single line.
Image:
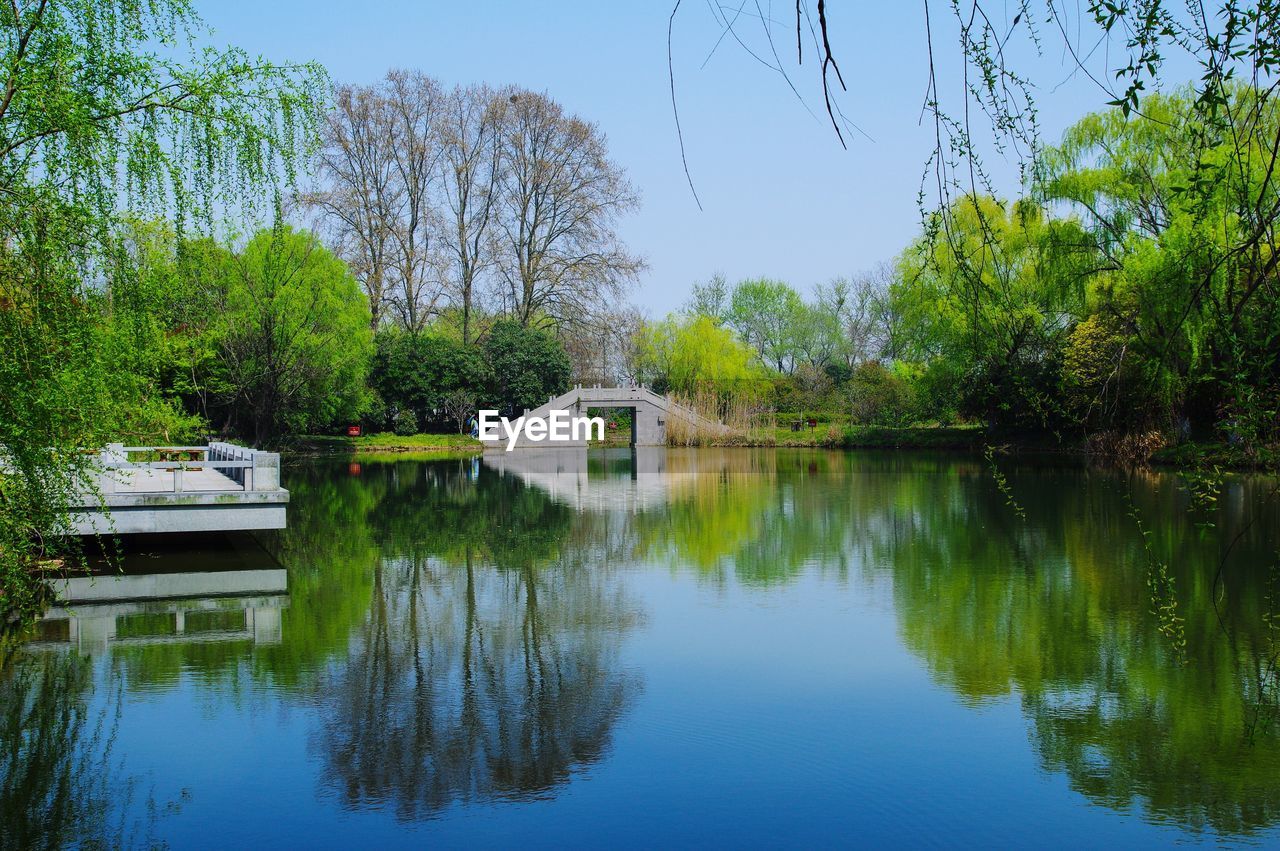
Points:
[(251, 469)]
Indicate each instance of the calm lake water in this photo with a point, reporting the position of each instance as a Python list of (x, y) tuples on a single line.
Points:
[(705, 647)]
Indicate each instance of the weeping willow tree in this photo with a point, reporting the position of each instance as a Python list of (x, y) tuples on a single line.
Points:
[(109, 110)]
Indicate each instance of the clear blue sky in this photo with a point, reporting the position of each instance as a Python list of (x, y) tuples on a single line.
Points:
[(780, 197)]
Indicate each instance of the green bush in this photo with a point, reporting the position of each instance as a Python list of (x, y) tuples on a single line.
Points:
[(375, 413), (879, 397), (423, 372), (405, 423), (526, 366), (1103, 384)]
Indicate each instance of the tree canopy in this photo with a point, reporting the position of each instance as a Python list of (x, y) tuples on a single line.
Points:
[(109, 110)]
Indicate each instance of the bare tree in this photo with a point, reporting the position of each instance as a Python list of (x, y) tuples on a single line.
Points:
[(861, 306), (599, 344), (425, 194), (378, 169), (358, 195), (710, 299), (415, 103), (470, 170), (560, 197)]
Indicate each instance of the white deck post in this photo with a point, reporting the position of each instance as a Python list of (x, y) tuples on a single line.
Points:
[(265, 471)]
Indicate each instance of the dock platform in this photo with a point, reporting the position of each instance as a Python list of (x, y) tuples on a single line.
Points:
[(216, 488)]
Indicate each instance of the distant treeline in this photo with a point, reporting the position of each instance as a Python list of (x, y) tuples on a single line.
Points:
[(1131, 293)]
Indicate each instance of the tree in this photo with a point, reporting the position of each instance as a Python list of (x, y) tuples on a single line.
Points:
[(686, 354), (426, 373), (988, 305), (710, 299), (1179, 234), (471, 168), (560, 198), (766, 314), (157, 329), (861, 308), (95, 121), (378, 172), (358, 196), (817, 336), (597, 344), (527, 366), (415, 102), (295, 341)]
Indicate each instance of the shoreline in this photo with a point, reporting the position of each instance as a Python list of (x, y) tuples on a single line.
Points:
[(940, 438)]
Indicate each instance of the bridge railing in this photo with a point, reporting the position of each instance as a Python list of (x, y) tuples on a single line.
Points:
[(251, 469)]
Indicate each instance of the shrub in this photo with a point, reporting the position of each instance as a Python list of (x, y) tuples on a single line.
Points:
[(375, 413), (879, 397), (405, 423), (526, 366), (424, 372)]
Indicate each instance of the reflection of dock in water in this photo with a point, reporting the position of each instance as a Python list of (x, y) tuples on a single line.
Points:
[(131, 609)]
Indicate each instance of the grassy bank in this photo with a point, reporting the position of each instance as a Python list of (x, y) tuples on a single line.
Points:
[(317, 444), (969, 438), (834, 436)]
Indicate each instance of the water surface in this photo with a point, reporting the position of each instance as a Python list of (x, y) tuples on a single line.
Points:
[(679, 647)]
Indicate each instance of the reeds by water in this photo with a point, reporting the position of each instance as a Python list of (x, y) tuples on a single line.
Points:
[(719, 419)]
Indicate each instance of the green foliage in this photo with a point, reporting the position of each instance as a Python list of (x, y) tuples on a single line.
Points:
[(985, 292), (807, 389), (426, 372), (376, 413), (710, 300), (1178, 208), (405, 423), (768, 315), (686, 354), (160, 325), (527, 366), (878, 396), (110, 110), (1103, 385), (295, 344)]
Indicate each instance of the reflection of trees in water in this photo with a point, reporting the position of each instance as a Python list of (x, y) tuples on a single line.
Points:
[(488, 666), (61, 783), (760, 516), (1058, 610), (461, 630), (1055, 608)]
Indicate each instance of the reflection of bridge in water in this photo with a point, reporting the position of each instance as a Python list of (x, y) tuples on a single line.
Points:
[(632, 480), (167, 608)]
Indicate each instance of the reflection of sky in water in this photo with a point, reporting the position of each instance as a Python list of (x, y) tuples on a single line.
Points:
[(725, 648)]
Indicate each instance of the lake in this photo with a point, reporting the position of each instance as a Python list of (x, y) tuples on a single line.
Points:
[(675, 647)]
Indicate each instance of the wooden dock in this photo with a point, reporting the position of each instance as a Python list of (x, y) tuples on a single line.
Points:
[(214, 488)]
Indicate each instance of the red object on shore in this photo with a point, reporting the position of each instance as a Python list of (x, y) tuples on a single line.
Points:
[(353, 431)]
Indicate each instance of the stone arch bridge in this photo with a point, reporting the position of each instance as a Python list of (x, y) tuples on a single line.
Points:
[(650, 414)]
